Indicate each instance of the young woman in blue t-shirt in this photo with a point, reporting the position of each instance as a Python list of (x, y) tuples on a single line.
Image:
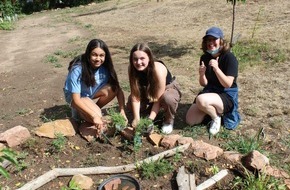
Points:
[(92, 83)]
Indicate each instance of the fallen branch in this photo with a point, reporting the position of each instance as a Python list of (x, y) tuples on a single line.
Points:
[(57, 172), (211, 181)]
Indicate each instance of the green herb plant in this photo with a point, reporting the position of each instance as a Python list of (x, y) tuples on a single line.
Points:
[(117, 119), (152, 170), (58, 144)]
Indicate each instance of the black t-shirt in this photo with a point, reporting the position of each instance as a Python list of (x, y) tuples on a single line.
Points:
[(227, 62)]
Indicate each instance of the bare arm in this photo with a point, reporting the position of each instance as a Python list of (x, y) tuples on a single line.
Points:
[(121, 102), (87, 108), (161, 82), (135, 110), (202, 77)]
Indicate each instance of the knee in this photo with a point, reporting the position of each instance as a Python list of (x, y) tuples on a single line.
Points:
[(108, 92), (168, 99), (200, 102)]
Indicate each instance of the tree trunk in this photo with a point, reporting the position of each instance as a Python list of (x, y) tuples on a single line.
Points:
[(233, 23)]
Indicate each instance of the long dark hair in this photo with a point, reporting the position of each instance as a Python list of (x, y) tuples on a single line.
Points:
[(87, 69), (150, 72)]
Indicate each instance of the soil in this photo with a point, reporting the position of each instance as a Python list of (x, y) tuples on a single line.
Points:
[(31, 85)]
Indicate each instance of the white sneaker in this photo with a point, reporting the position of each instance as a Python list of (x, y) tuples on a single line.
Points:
[(167, 128), (215, 126)]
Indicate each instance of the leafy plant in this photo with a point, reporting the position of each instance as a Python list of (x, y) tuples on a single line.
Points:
[(260, 182), (143, 125), (152, 170), (9, 155), (245, 145), (214, 169), (72, 186), (21, 163), (58, 144), (5, 25), (177, 156), (117, 119)]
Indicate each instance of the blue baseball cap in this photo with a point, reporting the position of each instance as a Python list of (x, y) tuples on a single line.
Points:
[(215, 32)]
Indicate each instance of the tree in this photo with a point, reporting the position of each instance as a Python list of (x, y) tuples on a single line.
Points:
[(233, 21)]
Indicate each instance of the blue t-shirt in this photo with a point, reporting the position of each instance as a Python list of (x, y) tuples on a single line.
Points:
[(74, 84)]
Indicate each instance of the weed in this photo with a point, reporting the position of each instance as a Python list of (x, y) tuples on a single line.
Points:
[(77, 38), (125, 86), (72, 186), (51, 59), (45, 119), (68, 54), (152, 170), (214, 169), (22, 165), (23, 111), (250, 53), (177, 156), (9, 155), (251, 111), (5, 25), (194, 131), (262, 182), (89, 161), (58, 144), (224, 134), (256, 23), (245, 145), (30, 143)]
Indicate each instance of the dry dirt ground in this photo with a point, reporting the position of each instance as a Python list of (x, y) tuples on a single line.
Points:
[(31, 86)]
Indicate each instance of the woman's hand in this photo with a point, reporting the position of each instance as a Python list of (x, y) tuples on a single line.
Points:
[(98, 122), (202, 69), (135, 123), (214, 63), (124, 115)]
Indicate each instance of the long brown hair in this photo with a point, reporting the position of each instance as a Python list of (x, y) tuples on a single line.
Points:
[(223, 43), (88, 71), (150, 72)]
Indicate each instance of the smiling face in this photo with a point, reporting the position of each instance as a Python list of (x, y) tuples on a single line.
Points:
[(140, 60), (97, 57), (212, 43)]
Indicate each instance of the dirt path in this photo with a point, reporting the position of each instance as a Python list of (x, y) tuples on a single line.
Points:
[(27, 83), (31, 87)]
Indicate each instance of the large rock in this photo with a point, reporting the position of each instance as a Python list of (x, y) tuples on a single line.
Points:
[(169, 141), (255, 160), (83, 181), (88, 131), (205, 150), (66, 127), (15, 136)]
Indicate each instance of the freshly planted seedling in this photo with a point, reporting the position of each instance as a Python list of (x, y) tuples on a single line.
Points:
[(145, 126), (117, 119)]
